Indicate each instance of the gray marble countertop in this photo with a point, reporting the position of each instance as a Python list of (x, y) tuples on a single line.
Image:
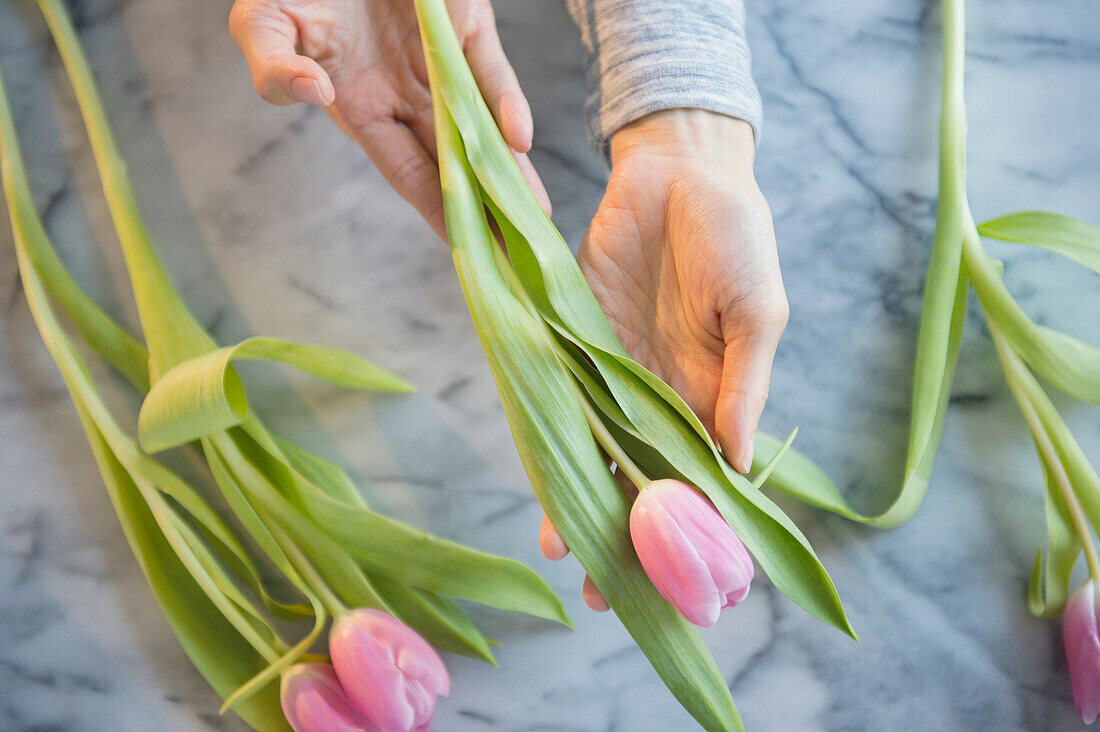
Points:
[(272, 222)]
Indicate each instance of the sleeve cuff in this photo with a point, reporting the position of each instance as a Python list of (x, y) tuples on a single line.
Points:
[(646, 56)]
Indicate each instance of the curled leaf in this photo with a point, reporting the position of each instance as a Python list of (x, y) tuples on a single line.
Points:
[(204, 394)]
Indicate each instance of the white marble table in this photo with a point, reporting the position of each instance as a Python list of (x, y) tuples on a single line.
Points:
[(272, 222)]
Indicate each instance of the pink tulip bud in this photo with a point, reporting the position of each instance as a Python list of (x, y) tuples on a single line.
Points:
[(314, 701), (389, 672), (689, 552), (1083, 650)]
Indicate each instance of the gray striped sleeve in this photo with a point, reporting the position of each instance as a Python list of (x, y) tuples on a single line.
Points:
[(648, 55)]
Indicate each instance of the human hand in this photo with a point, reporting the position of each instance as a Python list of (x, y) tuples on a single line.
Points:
[(681, 255), (363, 62)]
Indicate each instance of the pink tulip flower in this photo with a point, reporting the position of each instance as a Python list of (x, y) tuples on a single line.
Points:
[(1083, 650), (389, 672), (314, 701), (689, 552)]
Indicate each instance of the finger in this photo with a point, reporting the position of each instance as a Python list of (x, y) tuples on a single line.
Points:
[(550, 541), (593, 598), (746, 372), (267, 38), (407, 166), (498, 83), (422, 124), (533, 180)]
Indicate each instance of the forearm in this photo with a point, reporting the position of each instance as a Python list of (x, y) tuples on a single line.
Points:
[(650, 55)]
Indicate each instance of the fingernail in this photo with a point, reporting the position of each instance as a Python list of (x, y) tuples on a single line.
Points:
[(746, 456), (512, 116), (309, 91)]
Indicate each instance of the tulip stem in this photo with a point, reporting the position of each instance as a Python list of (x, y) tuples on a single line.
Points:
[(1015, 373), (608, 442), (309, 573), (599, 430)]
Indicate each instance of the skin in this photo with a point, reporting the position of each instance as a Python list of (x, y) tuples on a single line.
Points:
[(681, 253)]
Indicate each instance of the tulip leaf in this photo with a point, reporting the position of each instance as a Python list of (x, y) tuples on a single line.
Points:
[(440, 620), (1072, 238), (236, 455), (326, 475), (1070, 364), (204, 394), (777, 455)]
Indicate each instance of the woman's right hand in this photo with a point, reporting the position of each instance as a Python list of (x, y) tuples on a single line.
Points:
[(363, 62)]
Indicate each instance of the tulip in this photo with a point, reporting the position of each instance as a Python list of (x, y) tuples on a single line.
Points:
[(390, 673), (689, 552), (314, 701), (1083, 650)]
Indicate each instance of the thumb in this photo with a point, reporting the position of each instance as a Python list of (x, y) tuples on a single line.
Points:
[(746, 371), (267, 38)]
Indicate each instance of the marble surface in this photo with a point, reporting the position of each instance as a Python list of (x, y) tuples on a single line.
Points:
[(272, 222)]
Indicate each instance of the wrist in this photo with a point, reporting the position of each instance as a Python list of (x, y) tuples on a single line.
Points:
[(687, 135)]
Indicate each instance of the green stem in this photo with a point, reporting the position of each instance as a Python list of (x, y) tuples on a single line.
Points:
[(608, 442), (171, 331), (599, 430), (1014, 368), (308, 572)]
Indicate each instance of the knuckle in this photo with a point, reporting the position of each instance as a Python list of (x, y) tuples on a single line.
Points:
[(479, 19), (776, 312), (237, 19), (410, 176)]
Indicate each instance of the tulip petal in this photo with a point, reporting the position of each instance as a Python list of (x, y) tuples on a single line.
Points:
[(390, 673), (727, 559), (671, 561), (1079, 628), (314, 701)]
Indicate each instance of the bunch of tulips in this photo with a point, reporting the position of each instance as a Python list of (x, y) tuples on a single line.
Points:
[(386, 587), (279, 534), (671, 552)]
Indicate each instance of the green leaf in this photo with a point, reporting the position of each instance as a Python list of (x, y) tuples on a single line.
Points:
[(1070, 364), (204, 394), (769, 467), (236, 455), (393, 549), (171, 332), (326, 475), (438, 619), (402, 553), (1073, 238)]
